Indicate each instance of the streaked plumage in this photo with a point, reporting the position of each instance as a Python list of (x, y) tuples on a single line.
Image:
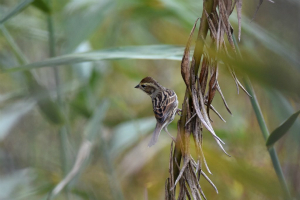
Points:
[(164, 102)]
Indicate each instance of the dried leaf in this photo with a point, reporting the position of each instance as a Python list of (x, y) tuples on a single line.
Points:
[(200, 151), (233, 5), (207, 123), (237, 82), (223, 98), (180, 174), (187, 192), (185, 63), (225, 23), (212, 88), (171, 180), (211, 26), (212, 184), (199, 114), (182, 192), (216, 112), (190, 119), (234, 78), (192, 184), (203, 74), (167, 191), (206, 177), (228, 6), (241, 86), (194, 176)]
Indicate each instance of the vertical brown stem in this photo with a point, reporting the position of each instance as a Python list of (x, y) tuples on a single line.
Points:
[(203, 29)]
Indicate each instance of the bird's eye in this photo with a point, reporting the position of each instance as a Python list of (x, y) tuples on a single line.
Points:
[(143, 86)]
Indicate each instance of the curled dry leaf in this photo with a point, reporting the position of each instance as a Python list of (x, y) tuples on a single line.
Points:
[(185, 63), (195, 116)]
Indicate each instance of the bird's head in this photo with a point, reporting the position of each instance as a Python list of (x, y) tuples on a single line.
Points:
[(149, 86)]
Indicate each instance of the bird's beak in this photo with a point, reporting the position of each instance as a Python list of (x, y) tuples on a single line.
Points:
[(137, 86)]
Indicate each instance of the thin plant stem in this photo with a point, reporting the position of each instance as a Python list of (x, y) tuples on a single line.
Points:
[(63, 131), (203, 30), (265, 133), (264, 130), (17, 51)]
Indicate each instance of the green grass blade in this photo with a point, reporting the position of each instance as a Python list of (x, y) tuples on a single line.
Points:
[(265, 132), (149, 52), (21, 6), (40, 4), (282, 129)]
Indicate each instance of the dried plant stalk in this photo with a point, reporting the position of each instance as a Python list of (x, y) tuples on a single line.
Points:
[(194, 114)]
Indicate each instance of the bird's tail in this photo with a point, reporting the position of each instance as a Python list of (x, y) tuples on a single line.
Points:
[(155, 134)]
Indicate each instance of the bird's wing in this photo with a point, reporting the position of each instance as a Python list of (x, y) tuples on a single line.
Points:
[(164, 103)]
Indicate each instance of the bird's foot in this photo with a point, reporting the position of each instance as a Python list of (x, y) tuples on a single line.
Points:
[(179, 111)]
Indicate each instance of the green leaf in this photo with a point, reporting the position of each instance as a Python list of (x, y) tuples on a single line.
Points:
[(21, 6), (282, 129), (40, 4), (148, 52)]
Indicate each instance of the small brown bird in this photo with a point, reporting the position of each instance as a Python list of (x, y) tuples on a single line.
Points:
[(164, 102)]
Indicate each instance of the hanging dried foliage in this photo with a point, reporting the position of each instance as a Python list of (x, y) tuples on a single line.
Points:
[(195, 116)]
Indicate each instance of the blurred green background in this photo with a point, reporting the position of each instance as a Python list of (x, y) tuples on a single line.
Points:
[(85, 97)]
